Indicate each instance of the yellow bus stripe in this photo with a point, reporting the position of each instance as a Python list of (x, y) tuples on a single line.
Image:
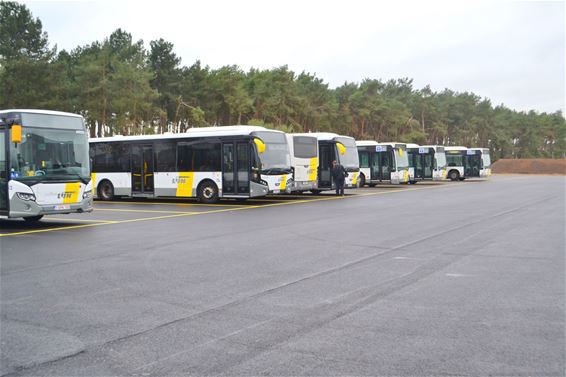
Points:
[(72, 191), (185, 184)]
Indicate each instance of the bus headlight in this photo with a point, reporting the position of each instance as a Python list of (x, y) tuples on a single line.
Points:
[(87, 194), (26, 196)]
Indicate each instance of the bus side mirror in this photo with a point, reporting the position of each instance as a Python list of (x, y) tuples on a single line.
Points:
[(16, 134), (341, 148), (260, 145)]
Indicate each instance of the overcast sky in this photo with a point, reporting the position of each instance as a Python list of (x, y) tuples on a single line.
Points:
[(508, 51)]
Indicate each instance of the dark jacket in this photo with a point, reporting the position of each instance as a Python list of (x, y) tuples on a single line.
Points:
[(339, 173)]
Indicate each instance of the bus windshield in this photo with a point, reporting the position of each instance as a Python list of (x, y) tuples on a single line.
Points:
[(51, 154), (486, 160), (350, 159), (440, 160), (402, 158), (305, 147), (275, 159)]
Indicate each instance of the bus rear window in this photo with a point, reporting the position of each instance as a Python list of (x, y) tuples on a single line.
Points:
[(304, 146)]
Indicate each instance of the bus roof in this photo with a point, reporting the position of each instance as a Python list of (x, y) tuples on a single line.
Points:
[(459, 148), (35, 111), (193, 132), (229, 130), (365, 143), (394, 144), (413, 145), (324, 136), (482, 150), (439, 148)]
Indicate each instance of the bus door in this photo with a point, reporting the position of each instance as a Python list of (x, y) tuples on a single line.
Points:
[(387, 162), (375, 167), (428, 164), (236, 168), (326, 155), (142, 169), (4, 178), (417, 162), (472, 164)]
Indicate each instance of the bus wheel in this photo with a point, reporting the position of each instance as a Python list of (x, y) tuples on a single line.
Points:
[(106, 190), (33, 219), (362, 180), (454, 175), (207, 192)]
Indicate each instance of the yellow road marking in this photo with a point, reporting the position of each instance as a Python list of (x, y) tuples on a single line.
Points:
[(185, 214), (78, 220), (97, 224), (169, 203), (137, 210)]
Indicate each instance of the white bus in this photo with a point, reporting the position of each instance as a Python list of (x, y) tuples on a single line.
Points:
[(206, 165), (335, 147), (382, 162), (455, 157), (467, 162), (304, 162), (485, 167), (426, 162), (44, 164)]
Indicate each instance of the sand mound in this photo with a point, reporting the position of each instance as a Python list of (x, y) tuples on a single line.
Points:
[(529, 166)]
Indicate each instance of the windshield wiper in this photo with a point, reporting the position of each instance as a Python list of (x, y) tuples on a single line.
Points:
[(66, 177), (274, 171)]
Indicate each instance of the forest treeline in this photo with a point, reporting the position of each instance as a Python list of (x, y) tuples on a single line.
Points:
[(122, 87)]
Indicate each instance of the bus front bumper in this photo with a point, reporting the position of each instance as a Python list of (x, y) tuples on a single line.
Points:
[(303, 186), (21, 208)]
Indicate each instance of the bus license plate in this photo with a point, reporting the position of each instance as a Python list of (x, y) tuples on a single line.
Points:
[(62, 207), (276, 191)]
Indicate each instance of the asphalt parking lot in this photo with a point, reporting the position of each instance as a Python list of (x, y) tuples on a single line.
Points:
[(432, 279)]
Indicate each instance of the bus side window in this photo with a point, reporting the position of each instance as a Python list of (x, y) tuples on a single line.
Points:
[(364, 159), (203, 156), (206, 156), (184, 157), (165, 157)]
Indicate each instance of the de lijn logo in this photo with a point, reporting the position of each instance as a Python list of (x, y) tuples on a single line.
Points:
[(65, 195)]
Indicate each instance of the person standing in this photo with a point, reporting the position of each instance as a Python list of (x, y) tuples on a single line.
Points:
[(339, 174)]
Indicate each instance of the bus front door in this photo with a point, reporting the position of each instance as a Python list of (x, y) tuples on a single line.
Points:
[(375, 166), (4, 178), (418, 163), (472, 165), (428, 165), (142, 169), (387, 163), (236, 168), (325, 166)]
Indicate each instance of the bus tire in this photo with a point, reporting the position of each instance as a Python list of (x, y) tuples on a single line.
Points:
[(362, 180), (454, 175), (33, 219), (207, 192), (105, 190)]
